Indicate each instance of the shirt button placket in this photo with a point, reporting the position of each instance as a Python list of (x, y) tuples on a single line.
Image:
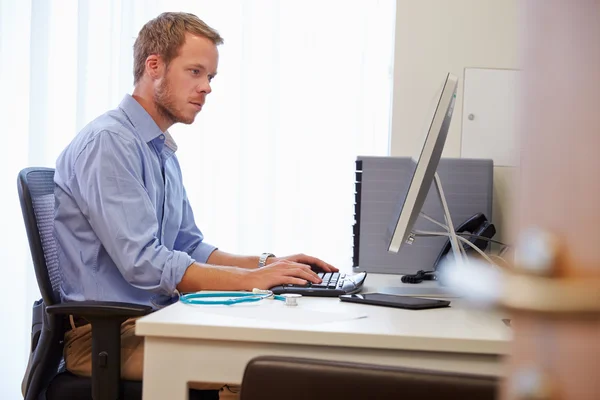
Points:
[(162, 230)]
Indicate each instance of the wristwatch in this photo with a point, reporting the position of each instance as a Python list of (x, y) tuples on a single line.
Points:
[(262, 261)]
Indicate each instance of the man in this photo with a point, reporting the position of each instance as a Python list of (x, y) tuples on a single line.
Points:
[(123, 222)]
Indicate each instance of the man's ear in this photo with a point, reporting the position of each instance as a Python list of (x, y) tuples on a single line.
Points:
[(155, 66)]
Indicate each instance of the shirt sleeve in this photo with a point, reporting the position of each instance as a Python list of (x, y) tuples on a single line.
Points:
[(190, 239), (107, 182)]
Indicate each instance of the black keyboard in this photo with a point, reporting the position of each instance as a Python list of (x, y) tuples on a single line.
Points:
[(333, 285)]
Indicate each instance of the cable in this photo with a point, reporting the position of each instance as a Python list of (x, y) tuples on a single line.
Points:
[(477, 249), (431, 219), (460, 248), (504, 250), (460, 238), (465, 234), (427, 217), (419, 277), (487, 239), (232, 388), (498, 257)]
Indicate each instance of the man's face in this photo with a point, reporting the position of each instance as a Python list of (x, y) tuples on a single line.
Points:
[(180, 94)]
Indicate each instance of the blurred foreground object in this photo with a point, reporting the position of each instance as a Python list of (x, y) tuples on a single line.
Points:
[(552, 289)]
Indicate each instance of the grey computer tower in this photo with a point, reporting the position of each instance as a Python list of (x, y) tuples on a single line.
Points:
[(381, 183)]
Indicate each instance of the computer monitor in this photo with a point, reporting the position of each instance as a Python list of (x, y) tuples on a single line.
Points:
[(424, 172)]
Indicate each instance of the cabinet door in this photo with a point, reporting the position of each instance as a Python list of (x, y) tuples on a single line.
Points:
[(489, 118)]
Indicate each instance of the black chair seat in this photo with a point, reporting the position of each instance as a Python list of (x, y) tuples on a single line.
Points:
[(69, 386)]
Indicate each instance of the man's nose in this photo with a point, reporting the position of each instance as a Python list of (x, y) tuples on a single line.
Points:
[(204, 87)]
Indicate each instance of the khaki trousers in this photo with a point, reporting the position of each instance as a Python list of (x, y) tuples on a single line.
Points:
[(78, 357)]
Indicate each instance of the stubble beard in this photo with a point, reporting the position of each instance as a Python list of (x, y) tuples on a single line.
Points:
[(165, 104)]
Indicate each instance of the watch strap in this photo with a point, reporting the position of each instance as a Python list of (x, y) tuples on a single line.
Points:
[(262, 260)]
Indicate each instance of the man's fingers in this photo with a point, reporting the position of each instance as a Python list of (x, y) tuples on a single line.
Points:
[(309, 260), (295, 281), (323, 265), (331, 267), (303, 258), (295, 265), (304, 273), (327, 267)]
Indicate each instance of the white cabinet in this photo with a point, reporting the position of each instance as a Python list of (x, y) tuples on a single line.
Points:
[(489, 115)]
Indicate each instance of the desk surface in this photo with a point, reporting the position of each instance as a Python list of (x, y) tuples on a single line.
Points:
[(454, 329), (215, 343)]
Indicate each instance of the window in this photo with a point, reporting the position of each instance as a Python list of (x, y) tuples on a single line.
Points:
[(303, 88)]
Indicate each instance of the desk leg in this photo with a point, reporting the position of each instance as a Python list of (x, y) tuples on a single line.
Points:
[(162, 378)]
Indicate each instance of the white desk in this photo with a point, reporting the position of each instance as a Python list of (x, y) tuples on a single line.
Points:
[(186, 343)]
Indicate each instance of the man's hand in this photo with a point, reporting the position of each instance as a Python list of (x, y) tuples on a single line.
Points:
[(307, 260), (281, 272)]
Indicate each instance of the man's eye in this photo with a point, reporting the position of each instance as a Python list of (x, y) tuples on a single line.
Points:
[(195, 71), (210, 78)]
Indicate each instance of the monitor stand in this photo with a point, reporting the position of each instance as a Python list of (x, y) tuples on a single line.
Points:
[(392, 284), (457, 250), (435, 291), (427, 288)]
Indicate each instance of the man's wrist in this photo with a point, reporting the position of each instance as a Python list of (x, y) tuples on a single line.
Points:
[(262, 260)]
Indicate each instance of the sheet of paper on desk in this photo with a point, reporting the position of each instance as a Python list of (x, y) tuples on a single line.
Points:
[(277, 312)]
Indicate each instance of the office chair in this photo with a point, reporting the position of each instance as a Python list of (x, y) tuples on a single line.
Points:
[(276, 377), (46, 377)]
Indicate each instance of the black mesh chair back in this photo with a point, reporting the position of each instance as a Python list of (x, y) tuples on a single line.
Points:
[(36, 195)]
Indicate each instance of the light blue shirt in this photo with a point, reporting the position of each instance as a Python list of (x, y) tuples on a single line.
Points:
[(123, 222)]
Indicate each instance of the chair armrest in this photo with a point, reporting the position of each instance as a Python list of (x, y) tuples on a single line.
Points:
[(99, 309), (105, 319)]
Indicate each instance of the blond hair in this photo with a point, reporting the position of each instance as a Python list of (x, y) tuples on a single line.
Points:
[(164, 36)]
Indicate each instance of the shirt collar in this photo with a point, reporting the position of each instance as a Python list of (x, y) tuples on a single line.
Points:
[(165, 141), (143, 122), (170, 142)]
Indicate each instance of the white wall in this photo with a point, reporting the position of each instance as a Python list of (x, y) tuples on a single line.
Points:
[(434, 37)]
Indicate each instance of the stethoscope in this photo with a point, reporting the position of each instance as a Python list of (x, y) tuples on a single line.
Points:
[(238, 297)]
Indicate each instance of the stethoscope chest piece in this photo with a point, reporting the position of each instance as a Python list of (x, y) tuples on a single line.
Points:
[(291, 299)]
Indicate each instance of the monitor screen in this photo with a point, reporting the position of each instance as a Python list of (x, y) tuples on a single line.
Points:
[(423, 174)]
